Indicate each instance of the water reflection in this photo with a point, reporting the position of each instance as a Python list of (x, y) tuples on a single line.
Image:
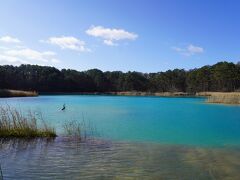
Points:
[(66, 158)]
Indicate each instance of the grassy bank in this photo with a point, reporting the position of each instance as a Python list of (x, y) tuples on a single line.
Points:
[(14, 124), (221, 97), (16, 93), (164, 94), (212, 97), (123, 93)]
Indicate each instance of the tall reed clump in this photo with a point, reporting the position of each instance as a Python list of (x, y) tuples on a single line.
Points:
[(14, 124), (224, 98), (16, 93), (80, 130)]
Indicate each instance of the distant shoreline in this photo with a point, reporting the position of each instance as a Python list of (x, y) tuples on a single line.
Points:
[(212, 97), (123, 93)]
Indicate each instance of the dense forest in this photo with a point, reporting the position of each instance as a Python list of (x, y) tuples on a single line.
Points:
[(223, 76)]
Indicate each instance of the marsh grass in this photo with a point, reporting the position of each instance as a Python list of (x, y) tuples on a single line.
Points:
[(161, 94), (223, 97), (79, 129), (16, 93), (14, 124)]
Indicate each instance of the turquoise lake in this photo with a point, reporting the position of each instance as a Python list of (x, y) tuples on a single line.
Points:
[(137, 138), (186, 121)]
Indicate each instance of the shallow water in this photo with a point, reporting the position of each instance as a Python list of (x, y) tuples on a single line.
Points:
[(186, 121), (70, 159)]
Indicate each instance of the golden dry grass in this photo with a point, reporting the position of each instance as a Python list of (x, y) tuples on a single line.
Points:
[(221, 97), (16, 93), (139, 93), (14, 124), (212, 97)]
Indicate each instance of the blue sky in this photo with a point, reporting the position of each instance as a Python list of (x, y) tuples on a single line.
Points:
[(146, 35)]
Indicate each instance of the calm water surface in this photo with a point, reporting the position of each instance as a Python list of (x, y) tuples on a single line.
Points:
[(150, 137)]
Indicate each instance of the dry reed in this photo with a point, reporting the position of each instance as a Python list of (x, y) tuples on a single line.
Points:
[(16, 93), (222, 97), (14, 124)]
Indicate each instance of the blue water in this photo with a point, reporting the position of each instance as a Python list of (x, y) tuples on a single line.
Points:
[(185, 121)]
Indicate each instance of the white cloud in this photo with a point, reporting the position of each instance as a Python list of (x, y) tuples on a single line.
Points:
[(110, 36), (177, 49), (109, 43), (189, 50), (4, 59), (27, 56), (30, 54), (194, 49), (55, 61), (16, 54), (68, 42), (9, 39), (49, 53), (3, 48)]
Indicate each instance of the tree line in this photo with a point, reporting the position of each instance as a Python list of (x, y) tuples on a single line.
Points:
[(223, 76)]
